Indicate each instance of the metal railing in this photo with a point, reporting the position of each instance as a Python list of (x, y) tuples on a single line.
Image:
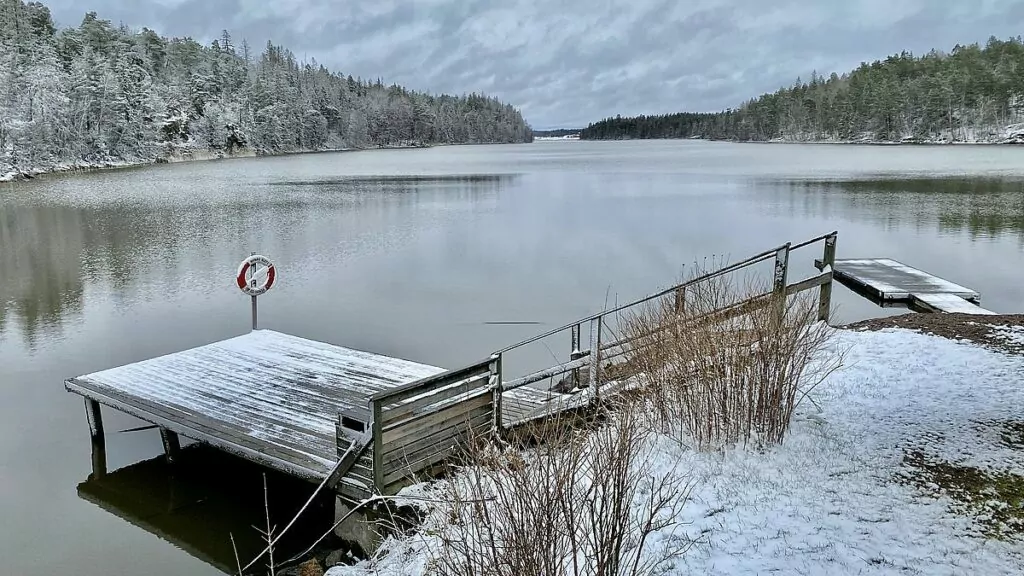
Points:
[(601, 349)]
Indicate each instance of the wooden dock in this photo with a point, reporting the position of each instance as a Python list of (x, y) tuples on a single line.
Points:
[(275, 399), (364, 424), (889, 281)]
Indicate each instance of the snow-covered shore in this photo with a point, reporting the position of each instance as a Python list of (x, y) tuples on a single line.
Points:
[(858, 487)]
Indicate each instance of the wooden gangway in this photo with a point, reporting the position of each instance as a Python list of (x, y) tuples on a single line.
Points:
[(892, 282), (363, 423)]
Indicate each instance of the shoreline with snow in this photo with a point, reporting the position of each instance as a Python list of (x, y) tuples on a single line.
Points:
[(189, 155), (908, 460)]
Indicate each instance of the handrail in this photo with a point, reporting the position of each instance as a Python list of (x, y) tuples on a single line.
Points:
[(766, 255), (763, 256), (582, 358)]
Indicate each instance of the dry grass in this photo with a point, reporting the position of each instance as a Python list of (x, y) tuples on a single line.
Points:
[(718, 379), (579, 503)]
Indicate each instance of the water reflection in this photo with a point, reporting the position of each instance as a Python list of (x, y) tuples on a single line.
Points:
[(983, 207), (56, 244), (204, 499)]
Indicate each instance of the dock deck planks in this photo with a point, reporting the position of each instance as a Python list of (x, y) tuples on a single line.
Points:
[(950, 304), (267, 396), (890, 280), (270, 397)]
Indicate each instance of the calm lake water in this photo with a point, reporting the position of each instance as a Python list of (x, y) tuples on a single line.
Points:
[(413, 253)]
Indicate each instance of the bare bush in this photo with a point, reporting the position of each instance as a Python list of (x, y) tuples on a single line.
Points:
[(731, 364), (580, 503)]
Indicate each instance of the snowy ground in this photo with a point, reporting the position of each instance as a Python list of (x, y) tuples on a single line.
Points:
[(863, 485)]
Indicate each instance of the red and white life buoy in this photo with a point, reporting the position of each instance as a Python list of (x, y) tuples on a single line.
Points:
[(256, 275)]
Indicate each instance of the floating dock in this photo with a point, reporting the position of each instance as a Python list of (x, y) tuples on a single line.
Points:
[(298, 405), (891, 282)]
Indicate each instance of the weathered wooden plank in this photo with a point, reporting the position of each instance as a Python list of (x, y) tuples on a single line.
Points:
[(397, 394), (428, 400), (819, 280), (441, 419), (430, 412), (433, 440), (948, 303), (429, 458)]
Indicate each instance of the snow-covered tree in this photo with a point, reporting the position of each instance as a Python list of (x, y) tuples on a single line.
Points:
[(99, 93)]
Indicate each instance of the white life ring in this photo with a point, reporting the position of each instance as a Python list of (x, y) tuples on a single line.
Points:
[(254, 280)]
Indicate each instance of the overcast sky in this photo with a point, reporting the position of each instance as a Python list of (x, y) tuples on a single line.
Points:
[(566, 63)]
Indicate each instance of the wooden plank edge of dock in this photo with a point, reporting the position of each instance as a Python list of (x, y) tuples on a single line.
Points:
[(72, 385), (949, 304)]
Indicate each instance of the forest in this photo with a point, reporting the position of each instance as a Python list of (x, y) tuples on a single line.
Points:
[(100, 95), (971, 94)]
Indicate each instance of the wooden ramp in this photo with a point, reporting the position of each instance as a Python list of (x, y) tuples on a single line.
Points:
[(890, 281)]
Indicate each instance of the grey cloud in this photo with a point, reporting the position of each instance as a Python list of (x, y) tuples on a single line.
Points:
[(570, 62)]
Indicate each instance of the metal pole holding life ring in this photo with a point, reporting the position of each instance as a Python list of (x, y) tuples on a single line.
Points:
[(256, 275)]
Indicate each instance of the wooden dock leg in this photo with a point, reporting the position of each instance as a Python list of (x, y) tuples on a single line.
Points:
[(99, 459), (99, 447), (92, 413), (828, 259), (171, 444)]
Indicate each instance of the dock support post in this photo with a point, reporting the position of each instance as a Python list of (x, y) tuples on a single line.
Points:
[(779, 284), (172, 445), (575, 354), (595, 357), (828, 260), (92, 413), (99, 446)]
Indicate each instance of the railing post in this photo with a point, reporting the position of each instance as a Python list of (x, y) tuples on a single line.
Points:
[(680, 308), (496, 384), (779, 284), (595, 356), (575, 354), (828, 260)]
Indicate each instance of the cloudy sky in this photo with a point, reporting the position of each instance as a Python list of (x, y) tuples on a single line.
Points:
[(566, 63)]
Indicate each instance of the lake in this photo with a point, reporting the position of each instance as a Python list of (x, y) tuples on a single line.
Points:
[(422, 254)]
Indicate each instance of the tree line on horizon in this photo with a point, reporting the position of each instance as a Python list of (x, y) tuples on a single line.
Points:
[(972, 93), (99, 93)]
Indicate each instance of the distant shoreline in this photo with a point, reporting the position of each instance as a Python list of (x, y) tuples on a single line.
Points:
[(818, 142), (196, 156)]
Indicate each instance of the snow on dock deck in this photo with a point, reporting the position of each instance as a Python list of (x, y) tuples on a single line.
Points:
[(890, 280), (267, 396)]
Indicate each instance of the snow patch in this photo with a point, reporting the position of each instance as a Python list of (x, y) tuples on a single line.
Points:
[(833, 499)]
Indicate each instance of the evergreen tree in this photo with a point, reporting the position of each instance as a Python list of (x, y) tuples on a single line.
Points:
[(97, 94), (973, 93)]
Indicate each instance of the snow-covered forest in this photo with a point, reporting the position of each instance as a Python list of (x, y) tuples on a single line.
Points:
[(103, 95), (970, 94)]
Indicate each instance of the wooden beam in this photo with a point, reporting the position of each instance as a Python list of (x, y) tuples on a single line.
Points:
[(825, 295)]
